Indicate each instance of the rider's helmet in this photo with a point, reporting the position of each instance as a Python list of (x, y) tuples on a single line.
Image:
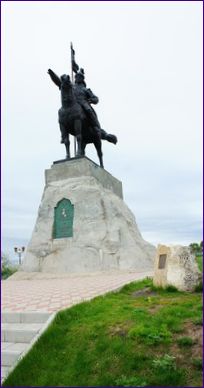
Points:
[(80, 76)]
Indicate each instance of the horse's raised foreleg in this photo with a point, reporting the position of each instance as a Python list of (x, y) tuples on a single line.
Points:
[(98, 145), (77, 129)]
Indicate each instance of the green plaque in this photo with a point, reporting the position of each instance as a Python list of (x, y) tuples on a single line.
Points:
[(63, 219)]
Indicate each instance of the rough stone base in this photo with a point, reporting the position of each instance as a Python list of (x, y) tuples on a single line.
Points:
[(176, 266), (105, 234)]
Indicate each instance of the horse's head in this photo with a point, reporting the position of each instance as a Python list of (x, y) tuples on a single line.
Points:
[(67, 93), (65, 80)]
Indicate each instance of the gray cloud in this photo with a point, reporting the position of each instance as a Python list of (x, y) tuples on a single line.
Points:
[(144, 61)]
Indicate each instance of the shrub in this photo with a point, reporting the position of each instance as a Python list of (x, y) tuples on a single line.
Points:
[(171, 288), (198, 363), (166, 372), (169, 378), (138, 311), (199, 287), (165, 363), (150, 336), (185, 341), (198, 321), (195, 248), (7, 268), (134, 381), (200, 262)]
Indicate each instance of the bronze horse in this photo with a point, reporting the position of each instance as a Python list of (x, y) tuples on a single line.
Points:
[(73, 120)]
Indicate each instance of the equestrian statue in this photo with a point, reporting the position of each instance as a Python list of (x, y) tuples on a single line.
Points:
[(76, 115)]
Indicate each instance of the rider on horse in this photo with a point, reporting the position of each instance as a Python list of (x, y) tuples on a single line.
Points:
[(85, 98)]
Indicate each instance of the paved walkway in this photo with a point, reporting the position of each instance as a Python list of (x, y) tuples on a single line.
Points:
[(50, 293)]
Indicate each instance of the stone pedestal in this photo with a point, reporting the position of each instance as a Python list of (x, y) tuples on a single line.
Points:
[(83, 224), (176, 266)]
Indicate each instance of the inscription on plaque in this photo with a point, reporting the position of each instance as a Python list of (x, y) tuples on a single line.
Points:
[(162, 261), (63, 219)]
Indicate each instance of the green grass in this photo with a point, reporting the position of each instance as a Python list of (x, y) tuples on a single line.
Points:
[(115, 339), (200, 262), (198, 363), (185, 341)]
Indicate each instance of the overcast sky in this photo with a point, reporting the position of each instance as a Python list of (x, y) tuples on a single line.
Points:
[(144, 61)]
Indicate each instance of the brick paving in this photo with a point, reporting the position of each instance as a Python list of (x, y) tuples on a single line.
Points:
[(54, 294)]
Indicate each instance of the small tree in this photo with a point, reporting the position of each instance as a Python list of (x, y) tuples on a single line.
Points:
[(4, 260), (195, 247), (7, 269)]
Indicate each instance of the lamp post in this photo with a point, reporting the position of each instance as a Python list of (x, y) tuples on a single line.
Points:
[(19, 252)]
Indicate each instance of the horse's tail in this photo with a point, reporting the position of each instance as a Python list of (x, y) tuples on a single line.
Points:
[(108, 136)]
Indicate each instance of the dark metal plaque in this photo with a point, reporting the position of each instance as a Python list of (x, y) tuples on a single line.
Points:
[(63, 219), (162, 261)]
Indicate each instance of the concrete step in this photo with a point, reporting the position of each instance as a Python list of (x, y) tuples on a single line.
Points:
[(4, 372), (9, 357), (10, 352), (19, 332), (18, 346), (24, 317)]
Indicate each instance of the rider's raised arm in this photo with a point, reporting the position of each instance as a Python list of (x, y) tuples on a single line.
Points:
[(54, 77), (91, 97)]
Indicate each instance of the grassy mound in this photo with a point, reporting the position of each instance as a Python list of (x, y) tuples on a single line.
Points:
[(136, 337)]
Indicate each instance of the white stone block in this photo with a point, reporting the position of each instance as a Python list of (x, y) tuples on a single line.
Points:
[(176, 266)]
